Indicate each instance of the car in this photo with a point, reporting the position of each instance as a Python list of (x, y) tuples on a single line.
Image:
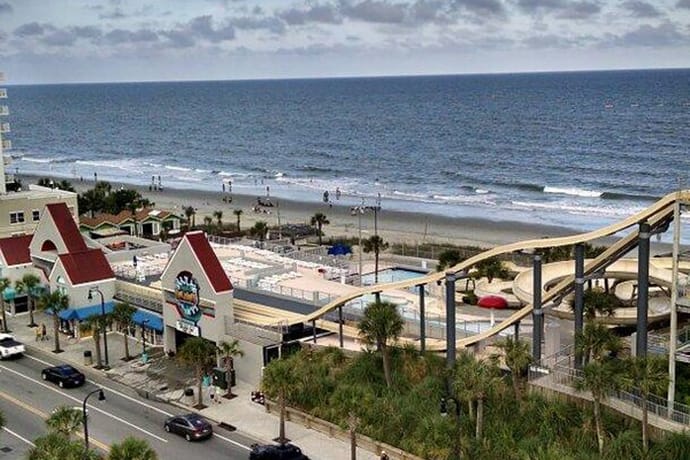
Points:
[(191, 426), (285, 451), (9, 347), (64, 375)]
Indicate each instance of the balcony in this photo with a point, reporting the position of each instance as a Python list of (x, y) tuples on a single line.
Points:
[(3, 93), (4, 110), (6, 144), (4, 128)]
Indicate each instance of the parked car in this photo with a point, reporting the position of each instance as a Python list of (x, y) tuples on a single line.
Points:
[(191, 426), (10, 347), (285, 451), (64, 375)]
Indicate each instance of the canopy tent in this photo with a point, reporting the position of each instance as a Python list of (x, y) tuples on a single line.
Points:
[(339, 249)]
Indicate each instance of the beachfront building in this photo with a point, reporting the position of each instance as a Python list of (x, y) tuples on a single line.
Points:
[(21, 206), (145, 223)]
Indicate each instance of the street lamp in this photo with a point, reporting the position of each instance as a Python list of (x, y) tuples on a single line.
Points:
[(101, 397), (143, 340), (105, 335), (359, 210)]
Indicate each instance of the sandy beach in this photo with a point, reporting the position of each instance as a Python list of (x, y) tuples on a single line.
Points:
[(394, 226)]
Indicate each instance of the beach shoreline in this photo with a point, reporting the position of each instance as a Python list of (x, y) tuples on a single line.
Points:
[(412, 228)]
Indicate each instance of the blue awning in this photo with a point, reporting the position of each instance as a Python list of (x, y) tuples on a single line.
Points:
[(80, 314), (153, 321)]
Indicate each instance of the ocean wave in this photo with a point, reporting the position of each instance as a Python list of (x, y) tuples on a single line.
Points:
[(177, 168), (315, 169), (421, 196), (37, 160), (628, 196), (573, 191), (574, 208)]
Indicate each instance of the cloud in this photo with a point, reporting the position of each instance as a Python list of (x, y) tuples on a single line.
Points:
[(649, 36), (86, 32), (378, 11), (641, 9), (481, 7), (116, 13), (580, 10), (30, 29), (563, 9), (178, 38), (5, 8), (683, 4), (326, 14), (119, 36), (59, 38), (200, 27), (271, 24)]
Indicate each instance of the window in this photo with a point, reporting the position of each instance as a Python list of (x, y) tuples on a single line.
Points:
[(35, 215), (17, 217)]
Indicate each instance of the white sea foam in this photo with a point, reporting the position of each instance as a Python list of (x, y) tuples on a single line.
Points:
[(575, 208), (37, 160), (177, 168), (481, 191), (572, 191)]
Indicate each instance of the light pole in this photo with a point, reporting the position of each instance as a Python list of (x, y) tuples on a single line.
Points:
[(143, 340), (359, 210), (105, 332), (101, 397)]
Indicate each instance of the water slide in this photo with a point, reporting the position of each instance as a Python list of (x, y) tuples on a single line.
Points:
[(657, 215)]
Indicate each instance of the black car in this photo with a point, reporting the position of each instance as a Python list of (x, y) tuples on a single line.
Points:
[(64, 375), (191, 426), (276, 452)]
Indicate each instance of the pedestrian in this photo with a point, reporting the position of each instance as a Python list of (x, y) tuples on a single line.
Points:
[(212, 393), (337, 193), (39, 337), (44, 335)]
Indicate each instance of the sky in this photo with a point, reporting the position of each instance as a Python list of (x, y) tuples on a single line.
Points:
[(66, 41)]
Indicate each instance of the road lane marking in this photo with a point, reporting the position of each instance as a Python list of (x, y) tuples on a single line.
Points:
[(18, 436), (108, 414), (101, 445), (122, 395), (216, 435)]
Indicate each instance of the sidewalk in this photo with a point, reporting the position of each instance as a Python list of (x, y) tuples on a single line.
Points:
[(249, 418)]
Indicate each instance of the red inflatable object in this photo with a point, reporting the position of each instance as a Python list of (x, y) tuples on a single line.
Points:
[(493, 301)]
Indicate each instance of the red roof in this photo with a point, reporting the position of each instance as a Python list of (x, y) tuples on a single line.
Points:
[(209, 262), (15, 250), (67, 227), (86, 266)]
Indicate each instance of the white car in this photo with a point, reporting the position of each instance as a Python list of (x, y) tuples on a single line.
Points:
[(10, 347)]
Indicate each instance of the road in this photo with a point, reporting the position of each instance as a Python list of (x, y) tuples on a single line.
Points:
[(26, 401)]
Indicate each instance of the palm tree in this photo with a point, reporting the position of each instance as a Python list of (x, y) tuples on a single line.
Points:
[(648, 375), (95, 324), (200, 354), (375, 244), (123, 314), (54, 446), (237, 213), (131, 448), (219, 217), (491, 268), (4, 284), (599, 378), (277, 382), (596, 341), (473, 381), (28, 284), (228, 351), (318, 220), (259, 231), (518, 357), (65, 421), (207, 221), (55, 301), (190, 213), (381, 323), (597, 302), (448, 258)]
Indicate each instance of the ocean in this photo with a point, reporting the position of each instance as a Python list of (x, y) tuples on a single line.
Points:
[(578, 149)]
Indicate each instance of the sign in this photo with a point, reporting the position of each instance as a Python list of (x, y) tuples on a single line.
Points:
[(187, 327), (187, 297)]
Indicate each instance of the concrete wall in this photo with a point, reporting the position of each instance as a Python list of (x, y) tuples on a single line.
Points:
[(250, 366), (29, 201)]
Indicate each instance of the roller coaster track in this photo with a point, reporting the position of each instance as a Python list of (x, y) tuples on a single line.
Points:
[(657, 215)]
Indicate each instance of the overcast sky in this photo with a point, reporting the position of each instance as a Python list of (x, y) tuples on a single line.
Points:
[(134, 40)]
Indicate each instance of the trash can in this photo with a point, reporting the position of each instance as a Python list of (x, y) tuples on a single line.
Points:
[(88, 358), (189, 396)]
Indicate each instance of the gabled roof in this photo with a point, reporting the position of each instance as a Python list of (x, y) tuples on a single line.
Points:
[(86, 266), (15, 250), (209, 261), (66, 227)]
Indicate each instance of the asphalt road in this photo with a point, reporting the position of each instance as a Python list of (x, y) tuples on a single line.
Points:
[(26, 401)]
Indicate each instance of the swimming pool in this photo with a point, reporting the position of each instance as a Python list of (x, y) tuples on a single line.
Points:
[(391, 275)]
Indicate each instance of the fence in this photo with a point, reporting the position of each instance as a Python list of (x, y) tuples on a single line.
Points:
[(559, 369), (141, 296)]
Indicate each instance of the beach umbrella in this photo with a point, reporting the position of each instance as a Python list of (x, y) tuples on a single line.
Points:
[(493, 302)]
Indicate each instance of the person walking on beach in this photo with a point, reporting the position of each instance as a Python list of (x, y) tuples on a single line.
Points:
[(337, 193), (44, 332)]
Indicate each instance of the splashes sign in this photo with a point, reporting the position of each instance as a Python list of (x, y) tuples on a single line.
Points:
[(187, 297)]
